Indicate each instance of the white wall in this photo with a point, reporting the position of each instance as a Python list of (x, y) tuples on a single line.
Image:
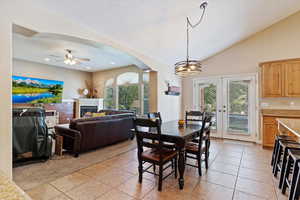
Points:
[(35, 18), (73, 79), (280, 41)]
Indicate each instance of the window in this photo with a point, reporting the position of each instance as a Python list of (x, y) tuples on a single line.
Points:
[(128, 91), (146, 92), (109, 95)]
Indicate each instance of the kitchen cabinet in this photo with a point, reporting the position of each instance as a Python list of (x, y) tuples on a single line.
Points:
[(280, 78)]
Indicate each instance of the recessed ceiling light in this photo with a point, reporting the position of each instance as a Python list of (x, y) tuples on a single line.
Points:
[(112, 63), (47, 59)]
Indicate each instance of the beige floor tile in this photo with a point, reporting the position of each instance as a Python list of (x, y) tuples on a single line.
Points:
[(231, 154), (256, 165), (135, 189), (95, 170), (131, 167), (219, 178), (224, 168), (256, 175), (265, 190), (210, 191), (62, 197), (88, 191), (43, 192), (68, 182), (168, 194), (115, 195), (279, 194), (228, 160), (114, 178), (244, 196)]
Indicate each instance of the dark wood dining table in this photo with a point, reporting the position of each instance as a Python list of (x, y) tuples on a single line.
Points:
[(171, 132)]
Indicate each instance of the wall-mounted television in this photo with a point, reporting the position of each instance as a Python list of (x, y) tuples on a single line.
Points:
[(35, 90)]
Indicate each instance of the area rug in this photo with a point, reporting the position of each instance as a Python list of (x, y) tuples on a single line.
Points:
[(32, 175)]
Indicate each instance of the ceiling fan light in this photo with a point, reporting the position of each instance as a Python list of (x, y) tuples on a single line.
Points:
[(67, 61), (72, 62)]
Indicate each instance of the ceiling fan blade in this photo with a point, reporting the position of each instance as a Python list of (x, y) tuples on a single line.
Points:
[(54, 56), (83, 59)]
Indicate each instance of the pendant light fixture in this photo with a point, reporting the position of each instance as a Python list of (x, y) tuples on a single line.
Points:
[(188, 66)]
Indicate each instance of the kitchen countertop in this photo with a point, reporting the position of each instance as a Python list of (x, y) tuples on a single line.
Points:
[(280, 112), (10, 191), (293, 125)]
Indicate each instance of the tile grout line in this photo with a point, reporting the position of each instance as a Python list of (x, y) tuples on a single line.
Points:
[(234, 190)]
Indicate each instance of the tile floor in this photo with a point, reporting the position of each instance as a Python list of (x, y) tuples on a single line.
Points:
[(238, 171)]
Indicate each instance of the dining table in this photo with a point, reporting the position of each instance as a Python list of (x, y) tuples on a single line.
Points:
[(180, 135)]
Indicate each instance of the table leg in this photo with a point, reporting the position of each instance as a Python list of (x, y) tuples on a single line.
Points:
[(181, 167)]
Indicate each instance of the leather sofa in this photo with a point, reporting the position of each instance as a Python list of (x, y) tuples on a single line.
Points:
[(91, 133)]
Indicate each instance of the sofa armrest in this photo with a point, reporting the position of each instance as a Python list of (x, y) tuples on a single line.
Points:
[(71, 134)]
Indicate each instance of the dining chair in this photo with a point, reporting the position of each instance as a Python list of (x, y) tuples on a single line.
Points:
[(195, 150), (154, 115), (153, 152), (194, 116)]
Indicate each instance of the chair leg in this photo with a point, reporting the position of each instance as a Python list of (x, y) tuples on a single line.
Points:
[(160, 177), (274, 152), (175, 165), (206, 156), (199, 164), (286, 174), (293, 181), (283, 166), (140, 171), (277, 160)]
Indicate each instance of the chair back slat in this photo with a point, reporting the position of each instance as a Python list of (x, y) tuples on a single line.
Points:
[(194, 116), (206, 124)]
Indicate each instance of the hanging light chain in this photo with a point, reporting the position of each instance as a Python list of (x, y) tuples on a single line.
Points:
[(189, 24)]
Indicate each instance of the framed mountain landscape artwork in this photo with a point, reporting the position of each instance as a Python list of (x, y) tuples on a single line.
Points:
[(35, 90)]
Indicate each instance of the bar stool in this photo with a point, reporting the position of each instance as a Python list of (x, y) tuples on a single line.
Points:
[(281, 157), (292, 165), (277, 139), (297, 186)]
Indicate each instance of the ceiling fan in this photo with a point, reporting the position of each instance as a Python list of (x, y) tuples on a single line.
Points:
[(69, 59)]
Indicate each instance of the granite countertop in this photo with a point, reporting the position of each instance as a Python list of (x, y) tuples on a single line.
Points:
[(292, 125), (10, 191)]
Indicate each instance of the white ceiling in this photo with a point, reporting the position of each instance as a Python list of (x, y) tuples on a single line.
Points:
[(156, 28), (51, 48)]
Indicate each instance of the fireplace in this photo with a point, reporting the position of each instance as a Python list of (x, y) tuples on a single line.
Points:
[(88, 105), (85, 109)]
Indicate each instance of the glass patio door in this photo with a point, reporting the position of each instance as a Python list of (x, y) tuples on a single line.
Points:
[(208, 100), (239, 109), (231, 101)]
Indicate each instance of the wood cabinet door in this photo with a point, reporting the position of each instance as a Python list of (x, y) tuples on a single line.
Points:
[(269, 134), (272, 80), (292, 79)]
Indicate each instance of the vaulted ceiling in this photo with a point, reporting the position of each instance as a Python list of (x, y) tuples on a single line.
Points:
[(156, 28)]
